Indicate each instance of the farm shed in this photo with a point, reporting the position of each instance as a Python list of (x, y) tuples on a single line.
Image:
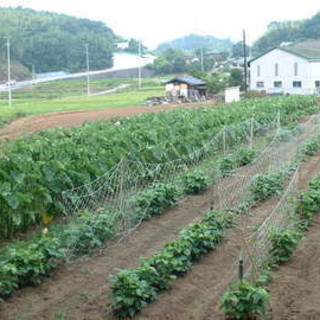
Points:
[(187, 87)]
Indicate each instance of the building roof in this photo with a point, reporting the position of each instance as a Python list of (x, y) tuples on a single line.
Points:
[(192, 81), (308, 49)]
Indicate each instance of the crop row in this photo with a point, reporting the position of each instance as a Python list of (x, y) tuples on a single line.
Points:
[(245, 299), (35, 169), (133, 289), (27, 262)]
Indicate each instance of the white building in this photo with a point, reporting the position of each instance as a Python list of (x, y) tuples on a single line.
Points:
[(292, 69)]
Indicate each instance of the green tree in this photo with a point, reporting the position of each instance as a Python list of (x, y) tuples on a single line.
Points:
[(237, 50), (236, 78), (55, 41)]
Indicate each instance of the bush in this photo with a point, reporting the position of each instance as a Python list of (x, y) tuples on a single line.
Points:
[(245, 300), (195, 182)]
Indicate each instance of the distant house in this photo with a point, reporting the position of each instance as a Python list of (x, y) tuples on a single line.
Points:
[(187, 87), (288, 69)]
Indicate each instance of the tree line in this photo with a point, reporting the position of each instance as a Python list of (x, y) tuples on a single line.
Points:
[(53, 41)]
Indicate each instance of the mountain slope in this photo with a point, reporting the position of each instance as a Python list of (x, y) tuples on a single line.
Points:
[(53, 41), (193, 42), (288, 31)]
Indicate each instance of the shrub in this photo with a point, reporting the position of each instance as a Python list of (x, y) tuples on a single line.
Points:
[(245, 300)]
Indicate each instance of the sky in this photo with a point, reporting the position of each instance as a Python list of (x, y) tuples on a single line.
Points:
[(157, 21)]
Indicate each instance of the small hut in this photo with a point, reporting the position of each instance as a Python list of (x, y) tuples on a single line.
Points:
[(186, 88)]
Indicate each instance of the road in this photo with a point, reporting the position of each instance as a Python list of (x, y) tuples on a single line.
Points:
[(121, 63)]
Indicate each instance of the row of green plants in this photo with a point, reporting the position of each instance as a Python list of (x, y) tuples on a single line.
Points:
[(246, 300), (23, 263), (155, 200), (133, 289), (28, 262), (35, 169)]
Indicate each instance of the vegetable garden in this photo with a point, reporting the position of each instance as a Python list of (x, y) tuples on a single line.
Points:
[(102, 179)]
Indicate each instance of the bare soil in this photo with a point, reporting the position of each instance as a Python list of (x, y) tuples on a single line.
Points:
[(79, 291), (295, 289), (76, 118)]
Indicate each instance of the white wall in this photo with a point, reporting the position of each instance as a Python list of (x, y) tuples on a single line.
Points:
[(231, 94), (307, 72)]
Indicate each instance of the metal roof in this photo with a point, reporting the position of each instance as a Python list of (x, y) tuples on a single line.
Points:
[(192, 81), (308, 49)]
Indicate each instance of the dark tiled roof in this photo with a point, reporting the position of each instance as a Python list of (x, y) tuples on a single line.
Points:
[(192, 81)]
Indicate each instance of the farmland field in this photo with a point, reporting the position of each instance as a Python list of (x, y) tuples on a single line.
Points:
[(45, 164)]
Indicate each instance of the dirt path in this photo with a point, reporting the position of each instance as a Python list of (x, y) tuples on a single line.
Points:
[(295, 289), (76, 118), (79, 291), (197, 295)]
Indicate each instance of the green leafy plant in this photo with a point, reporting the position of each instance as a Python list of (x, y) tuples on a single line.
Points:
[(311, 147), (89, 231), (27, 263), (283, 244), (156, 200), (195, 182), (130, 293), (175, 259), (309, 203), (226, 165), (245, 301), (265, 185), (244, 156)]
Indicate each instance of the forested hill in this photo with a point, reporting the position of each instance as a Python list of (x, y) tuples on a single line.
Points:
[(53, 41), (193, 42), (288, 31)]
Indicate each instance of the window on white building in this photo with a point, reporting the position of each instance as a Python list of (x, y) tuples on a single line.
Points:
[(317, 84), (276, 70), (258, 70), (296, 68), (260, 84), (297, 84), (277, 84)]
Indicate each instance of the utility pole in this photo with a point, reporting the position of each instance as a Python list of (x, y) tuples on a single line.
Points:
[(245, 61), (33, 72), (88, 69), (9, 72), (202, 62), (139, 63)]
